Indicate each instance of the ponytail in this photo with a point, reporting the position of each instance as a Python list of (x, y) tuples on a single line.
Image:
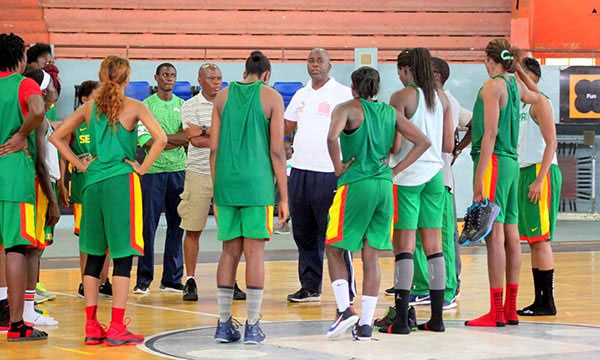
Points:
[(418, 61), (503, 53), (114, 71)]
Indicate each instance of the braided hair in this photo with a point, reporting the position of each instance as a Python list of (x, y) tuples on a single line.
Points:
[(13, 51)]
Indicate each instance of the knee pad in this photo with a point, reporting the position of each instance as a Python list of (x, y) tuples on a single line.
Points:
[(122, 266), (94, 264), (19, 249)]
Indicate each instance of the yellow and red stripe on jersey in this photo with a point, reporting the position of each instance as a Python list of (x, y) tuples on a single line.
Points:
[(77, 217), (270, 219), (41, 209), (135, 213), (490, 178), (395, 194), (335, 228), (28, 223)]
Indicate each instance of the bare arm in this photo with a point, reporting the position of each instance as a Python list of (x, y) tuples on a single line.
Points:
[(216, 130), (290, 126), (61, 136), (528, 95), (448, 134), (159, 139), (397, 102), (63, 193), (200, 141), (278, 158), (43, 176), (35, 115), (490, 95), (173, 141), (466, 140), (415, 136), (542, 112), (339, 118)]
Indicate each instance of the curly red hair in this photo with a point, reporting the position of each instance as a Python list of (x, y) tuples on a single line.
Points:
[(114, 71)]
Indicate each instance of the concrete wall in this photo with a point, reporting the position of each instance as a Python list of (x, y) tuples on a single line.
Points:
[(464, 83)]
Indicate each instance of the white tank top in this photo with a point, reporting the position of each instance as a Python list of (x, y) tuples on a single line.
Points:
[(531, 142), (431, 123), (51, 160)]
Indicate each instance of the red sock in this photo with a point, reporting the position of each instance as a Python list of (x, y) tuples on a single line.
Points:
[(510, 306), (495, 317), (90, 312), (117, 315)]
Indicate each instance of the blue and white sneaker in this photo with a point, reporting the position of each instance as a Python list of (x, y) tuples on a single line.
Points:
[(253, 334), (227, 331), (450, 304), (416, 300), (344, 321)]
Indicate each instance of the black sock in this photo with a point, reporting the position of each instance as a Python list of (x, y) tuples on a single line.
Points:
[(547, 290), (400, 324), (537, 285), (436, 323), (17, 326)]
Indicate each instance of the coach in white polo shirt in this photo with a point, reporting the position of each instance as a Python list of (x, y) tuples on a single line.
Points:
[(312, 181)]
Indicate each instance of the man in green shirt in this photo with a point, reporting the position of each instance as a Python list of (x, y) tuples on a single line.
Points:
[(162, 185)]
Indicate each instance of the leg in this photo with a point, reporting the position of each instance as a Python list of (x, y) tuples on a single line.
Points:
[(496, 260), (94, 331), (190, 250), (104, 273), (254, 253), (371, 282), (420, 284), (513, 270), (153, 187), (29, 313), (16, 275), (458, 261), (226, 271), (403, 277), (437, 278), (173, 256), (543, 277), (310, 255)]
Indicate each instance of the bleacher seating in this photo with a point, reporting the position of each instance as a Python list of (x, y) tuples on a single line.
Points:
[(138, 90), (183, 89), (287, 90)]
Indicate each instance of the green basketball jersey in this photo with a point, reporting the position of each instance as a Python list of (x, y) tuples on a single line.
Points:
[(369, 144), (110, 145), (80, 147), (18, 171), (508, 124), (243, 170)]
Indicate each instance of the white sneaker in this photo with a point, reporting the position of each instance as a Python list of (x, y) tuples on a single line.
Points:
[(40, 320)]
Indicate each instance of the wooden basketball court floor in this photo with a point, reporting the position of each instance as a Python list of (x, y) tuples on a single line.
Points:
[(577, 293)]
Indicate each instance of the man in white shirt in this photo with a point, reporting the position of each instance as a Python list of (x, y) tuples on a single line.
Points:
[(196, 115), (312, 180)]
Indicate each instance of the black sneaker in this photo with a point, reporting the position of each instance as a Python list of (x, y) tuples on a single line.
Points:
[(4, 315), (362, 332), (190, 290), (343, 322), (465, 236), (483, 222), (141, 289), (304, 295), (389, 317), (106, 289), (389, 292), (238, 294), (171, 287), (80, 291)]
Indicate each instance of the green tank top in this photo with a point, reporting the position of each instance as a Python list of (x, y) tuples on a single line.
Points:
[(80, 146), (507, 139), (243, 169), (110, 145), (369, 144), (18, 170)]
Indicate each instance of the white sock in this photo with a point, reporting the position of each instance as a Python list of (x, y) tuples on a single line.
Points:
[(3, 293), (340, 291), (28, 310), (190, 277), (369, 303)]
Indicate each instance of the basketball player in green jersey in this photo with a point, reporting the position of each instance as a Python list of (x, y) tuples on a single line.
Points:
[(112, 193), (361, 216), (540, 183), (22, 111), (246, 151), (495, 134)]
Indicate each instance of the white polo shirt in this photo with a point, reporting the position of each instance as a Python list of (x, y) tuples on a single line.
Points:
[(312, 109)]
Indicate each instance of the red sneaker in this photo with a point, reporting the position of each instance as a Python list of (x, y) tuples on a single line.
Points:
[(95, 333), (118, 335)]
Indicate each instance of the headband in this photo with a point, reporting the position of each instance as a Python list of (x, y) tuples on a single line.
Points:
[(45, 81), (505, 55)]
